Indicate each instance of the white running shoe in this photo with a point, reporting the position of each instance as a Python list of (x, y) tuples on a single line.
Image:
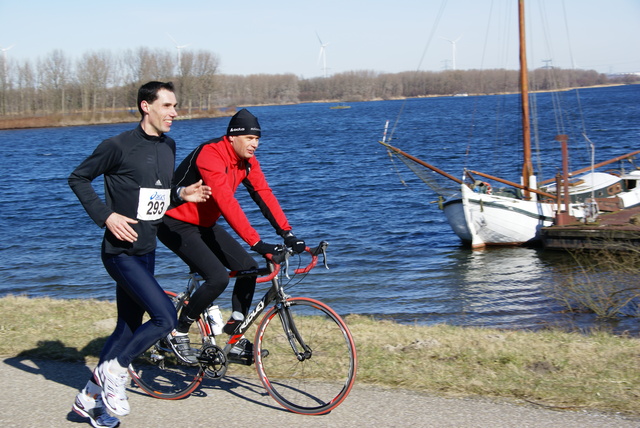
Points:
[(113, 386), (93, 408)]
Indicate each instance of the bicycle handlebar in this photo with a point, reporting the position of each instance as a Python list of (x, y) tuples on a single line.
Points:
[(274, 262)]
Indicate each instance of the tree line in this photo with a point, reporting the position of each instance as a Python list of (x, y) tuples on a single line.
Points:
[(103, 83)]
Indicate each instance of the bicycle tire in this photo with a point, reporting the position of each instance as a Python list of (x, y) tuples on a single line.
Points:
[(315, 385), (160, 374)]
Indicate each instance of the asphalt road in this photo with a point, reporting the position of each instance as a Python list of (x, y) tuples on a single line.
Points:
[(40, 394)]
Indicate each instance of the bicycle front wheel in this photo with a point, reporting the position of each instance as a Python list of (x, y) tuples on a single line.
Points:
[(159, 373), (311, 362)]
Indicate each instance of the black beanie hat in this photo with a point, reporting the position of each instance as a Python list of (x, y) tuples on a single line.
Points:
[(243, 123)]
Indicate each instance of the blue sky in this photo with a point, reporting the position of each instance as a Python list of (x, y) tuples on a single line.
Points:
[(281, 36)]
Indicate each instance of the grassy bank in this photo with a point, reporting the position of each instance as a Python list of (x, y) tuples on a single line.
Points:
[(549, 368)]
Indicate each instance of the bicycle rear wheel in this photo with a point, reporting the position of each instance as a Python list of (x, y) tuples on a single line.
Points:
[(319, 375), (159, 373)]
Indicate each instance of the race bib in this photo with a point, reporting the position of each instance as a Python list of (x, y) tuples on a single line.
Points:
[(153, 203)]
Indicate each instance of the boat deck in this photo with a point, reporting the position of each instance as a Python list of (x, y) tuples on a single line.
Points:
[(612, 231)]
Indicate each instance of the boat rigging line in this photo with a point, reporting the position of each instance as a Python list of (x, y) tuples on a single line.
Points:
[(424, 53)]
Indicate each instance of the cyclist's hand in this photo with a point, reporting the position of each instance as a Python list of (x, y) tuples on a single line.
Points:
[(263, 248), (294, 243)]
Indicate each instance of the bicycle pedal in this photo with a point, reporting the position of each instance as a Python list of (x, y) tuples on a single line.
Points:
[(241, 361)]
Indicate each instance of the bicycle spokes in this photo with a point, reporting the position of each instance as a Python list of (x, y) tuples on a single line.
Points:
[(311, 364)]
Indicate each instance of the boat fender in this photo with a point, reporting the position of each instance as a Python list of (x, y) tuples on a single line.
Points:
[(482, 187), (487, 188)]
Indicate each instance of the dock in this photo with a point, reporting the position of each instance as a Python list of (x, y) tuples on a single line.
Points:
[(618, 230)]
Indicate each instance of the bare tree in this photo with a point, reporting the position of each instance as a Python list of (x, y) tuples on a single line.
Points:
[(205, 70), (94, 75), (101, 82), (186, 79), (5, 85), (54, 73), (143, 65), (389, 86), (26, 87)]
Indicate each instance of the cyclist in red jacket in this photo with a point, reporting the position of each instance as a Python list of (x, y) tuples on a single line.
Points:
[(192, 232)]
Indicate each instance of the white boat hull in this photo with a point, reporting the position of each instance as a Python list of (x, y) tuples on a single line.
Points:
[(481, 219)]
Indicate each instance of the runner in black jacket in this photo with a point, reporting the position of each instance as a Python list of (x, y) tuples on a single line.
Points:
[(137, 166), (121, 160)]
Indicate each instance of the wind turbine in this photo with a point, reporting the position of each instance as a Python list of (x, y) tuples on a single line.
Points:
[(323, 54), (453, 49), (179, 47), (4, 57)]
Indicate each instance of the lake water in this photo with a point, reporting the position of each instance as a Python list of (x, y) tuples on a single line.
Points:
[(391, 253)]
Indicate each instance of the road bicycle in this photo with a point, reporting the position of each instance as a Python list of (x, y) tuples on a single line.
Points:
[(304, 353)]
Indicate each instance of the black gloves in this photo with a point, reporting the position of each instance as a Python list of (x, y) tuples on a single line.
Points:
[(263, 248), (294, 243), (290, 241)]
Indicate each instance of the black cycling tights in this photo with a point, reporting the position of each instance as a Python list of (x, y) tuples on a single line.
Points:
[(137, 292), (210, 251)]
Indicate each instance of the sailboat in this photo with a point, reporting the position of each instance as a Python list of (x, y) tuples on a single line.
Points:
[(515, 215)]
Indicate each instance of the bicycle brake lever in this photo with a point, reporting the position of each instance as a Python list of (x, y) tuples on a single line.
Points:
[(286, 267), (324, 257)]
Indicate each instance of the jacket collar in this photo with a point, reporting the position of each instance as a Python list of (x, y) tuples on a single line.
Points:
[(140, 132)]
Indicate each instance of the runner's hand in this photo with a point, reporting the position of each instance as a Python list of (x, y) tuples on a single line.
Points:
[(197, 192), (119, 225)]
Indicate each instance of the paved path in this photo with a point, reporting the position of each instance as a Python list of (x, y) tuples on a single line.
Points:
[(40, 394)]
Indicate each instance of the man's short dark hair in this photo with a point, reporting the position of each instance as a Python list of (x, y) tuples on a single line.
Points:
[(149, 92)]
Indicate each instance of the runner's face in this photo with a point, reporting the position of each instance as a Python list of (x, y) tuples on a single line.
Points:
[(161, 113), (245, 146)]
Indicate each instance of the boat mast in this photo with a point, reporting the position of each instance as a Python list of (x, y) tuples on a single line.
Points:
[(527, 166)]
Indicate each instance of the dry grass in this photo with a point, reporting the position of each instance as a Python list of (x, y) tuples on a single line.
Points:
[(57, 120), (77, 119), (551, 368), (602, 282), (73, 330)]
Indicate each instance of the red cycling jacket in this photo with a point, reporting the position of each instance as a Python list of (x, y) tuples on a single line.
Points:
[(220, 168)]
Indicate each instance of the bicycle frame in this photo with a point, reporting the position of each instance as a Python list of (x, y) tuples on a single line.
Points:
[(298, 341), (268, 297), (274, 293)]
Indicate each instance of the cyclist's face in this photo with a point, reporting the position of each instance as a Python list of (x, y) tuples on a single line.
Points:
[(245, 146)]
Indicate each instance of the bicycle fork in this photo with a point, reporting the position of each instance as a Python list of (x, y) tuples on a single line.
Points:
[(301, 350)]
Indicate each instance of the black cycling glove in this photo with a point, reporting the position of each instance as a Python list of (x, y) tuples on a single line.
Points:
[(263, 248), (294, 243)]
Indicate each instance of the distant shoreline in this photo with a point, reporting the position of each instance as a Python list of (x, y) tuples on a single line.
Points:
[(60, 121), (106, 118)]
